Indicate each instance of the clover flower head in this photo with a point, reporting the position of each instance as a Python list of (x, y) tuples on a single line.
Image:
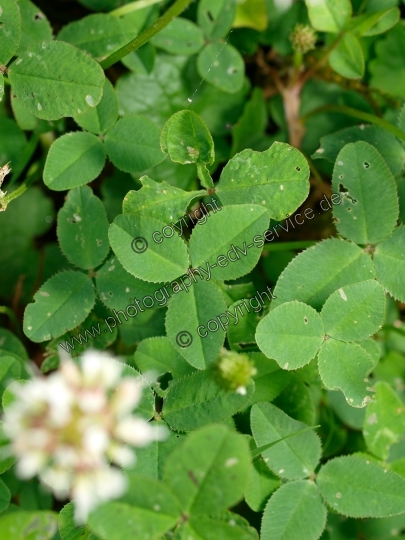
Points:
[(68, 428), (303, 38), (235, 371)]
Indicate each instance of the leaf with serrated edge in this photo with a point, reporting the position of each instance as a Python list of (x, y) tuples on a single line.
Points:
[(354, 312), (159, 200), (73, 160), (345, 366), (188, 314), (10, 30), (295, 506), (389, 260), (62, 303), (384, 424), (208, 472), (157, 354), (317, 272), (198, 400), (291, 334), (369, 209), (276, 179), (76, 83), (229, 234), (295, 457), (186, 139), (162, 261), (83, 229), (361, 488)]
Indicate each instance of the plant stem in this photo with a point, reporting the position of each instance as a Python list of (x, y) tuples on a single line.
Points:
[(19, 191), (286, 246), (146, 35), (308, 74), (133, 6), (367, 117)]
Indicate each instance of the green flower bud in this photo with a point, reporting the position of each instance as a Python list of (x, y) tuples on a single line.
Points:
[(303, 38), (234, 371)]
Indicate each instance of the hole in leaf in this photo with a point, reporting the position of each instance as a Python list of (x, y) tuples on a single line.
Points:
[(366, 164), (305, 320), (210, 15), (298, 169), (110, 293), (38, 16)]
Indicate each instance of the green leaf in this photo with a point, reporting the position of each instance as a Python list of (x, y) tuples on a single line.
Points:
[(54, 79), (12, 141), (158, 94), (99, 119), (208, 472), (269, 380), (347, 57), (351, 416), (251, 14), (147, 510), (354, 312), (6, 461), (83, 229), (22, 525), (131, 238), (225, 244), (157, 354), (291, 334), (5, 496), (215, 17), (207, 528), (345, 366), (198, 400), (369, 207), (387, 68), (389, 260), (35, 26), (277, 179), (63, 302), (186, 139), (385, 142), (1, 87), (293, 458), (10, 30), (375, 22), (262, 482), (9, 343), (222, 65), (116, 287), (99, 35), (10, 370), (73, 160), (384, 424), (188, 321), (323, 268), (180, 36), (132, 144), (159, 200), (296, 506), (69, 530), (358, 488), (329, 15)]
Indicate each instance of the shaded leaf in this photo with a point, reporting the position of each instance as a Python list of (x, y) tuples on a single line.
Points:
[(222, 65)]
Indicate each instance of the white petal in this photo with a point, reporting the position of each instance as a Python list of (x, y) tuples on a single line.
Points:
[(138, 432), (95, 440), (30, 464), (127, 396), (121, 455)]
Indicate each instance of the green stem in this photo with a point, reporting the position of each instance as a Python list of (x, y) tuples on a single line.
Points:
[(7, 311), (19, 191), (367, 117), (133, 6), (285, 246), (146, 35)]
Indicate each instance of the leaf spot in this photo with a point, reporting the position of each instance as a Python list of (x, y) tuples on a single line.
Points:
[(90, 101), (342, 294), (231, 462), (339, 495)]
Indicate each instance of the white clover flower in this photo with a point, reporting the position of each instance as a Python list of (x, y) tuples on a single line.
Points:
[(67, 428)]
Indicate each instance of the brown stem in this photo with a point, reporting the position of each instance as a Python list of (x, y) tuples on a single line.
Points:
[(292, 100)]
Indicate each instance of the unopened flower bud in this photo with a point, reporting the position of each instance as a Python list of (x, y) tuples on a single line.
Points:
[(303, 38)]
